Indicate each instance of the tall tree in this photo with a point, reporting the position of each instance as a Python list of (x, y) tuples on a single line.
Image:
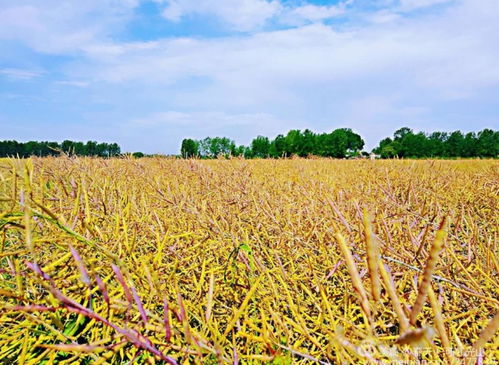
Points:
[(440, 144), (278, 147), (454, 144), (216, 146), (45, 148), (488, 143), (189, 148), (260, 147)]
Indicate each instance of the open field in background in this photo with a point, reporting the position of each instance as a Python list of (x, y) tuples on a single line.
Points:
[(246, 260)]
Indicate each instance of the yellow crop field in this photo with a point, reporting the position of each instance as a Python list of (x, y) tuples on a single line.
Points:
[(143, 261)]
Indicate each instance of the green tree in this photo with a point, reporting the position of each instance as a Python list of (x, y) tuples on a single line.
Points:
[(91, 148), (216, 146), (469, 145), (308, 143), (260, 147), (386, 148), (189, 148), (488, 143), (293, 141), (338, 143), (415, 145), (67, 146), (114, 149), (401, 133), (240, 151), (355, 143), (436, 143), (31, 148), (102, 150), (79, 149), (277, 147), (454, 144)]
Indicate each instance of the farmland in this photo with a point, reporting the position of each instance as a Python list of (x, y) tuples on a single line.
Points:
[(235, 261)]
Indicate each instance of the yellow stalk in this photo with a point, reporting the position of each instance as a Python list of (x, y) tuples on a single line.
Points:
[(390, 288), (372, 257), (439, 323), (243, 306), (354, 275), (486, 335), (209, 304), (428, 271)]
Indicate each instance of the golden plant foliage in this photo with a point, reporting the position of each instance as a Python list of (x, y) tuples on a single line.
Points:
[(110, 261), (431, 262), (372, 252)]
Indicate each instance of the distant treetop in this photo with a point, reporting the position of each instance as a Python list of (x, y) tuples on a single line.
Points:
[(339, 143), (33, 148), (343, 142), (407, 144)]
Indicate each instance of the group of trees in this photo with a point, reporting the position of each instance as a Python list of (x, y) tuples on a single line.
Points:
[(339, 143), (33, 148), (342, 143), (407, 144), (209, 147)]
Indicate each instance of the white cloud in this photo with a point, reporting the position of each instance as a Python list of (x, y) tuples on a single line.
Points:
[(242, 15), (315, 12), (384, 16), (312, 13), (441, 53), (19, 74), (249, 15), (74, 83), (409, 5), (62, 26)]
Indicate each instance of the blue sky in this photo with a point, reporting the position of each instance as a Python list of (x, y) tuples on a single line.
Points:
[(147, 74)]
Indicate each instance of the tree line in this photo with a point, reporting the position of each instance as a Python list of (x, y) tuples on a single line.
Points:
[(339, 143), (344, 143), (42, 149), (407, 144)]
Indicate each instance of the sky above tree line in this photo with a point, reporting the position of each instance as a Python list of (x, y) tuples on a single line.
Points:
[(147, 74)]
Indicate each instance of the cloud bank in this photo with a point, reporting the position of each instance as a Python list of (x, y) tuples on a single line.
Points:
[(148, 74)]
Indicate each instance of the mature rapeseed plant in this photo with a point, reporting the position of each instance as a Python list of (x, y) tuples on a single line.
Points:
[(227, 261)]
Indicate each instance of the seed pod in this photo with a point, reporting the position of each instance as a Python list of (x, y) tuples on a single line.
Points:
[(166, 321), (485, 336), (122, 281), (354, 274), (372, 258), (439, 323), (390, 288), (428, 271), (81, 267)]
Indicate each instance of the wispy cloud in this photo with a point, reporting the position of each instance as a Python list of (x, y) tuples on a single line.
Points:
[(310, 13), (409, 5), (419, 53), (250, 15), (54, 26), (240, 15), (19, 74), (74, 83)]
